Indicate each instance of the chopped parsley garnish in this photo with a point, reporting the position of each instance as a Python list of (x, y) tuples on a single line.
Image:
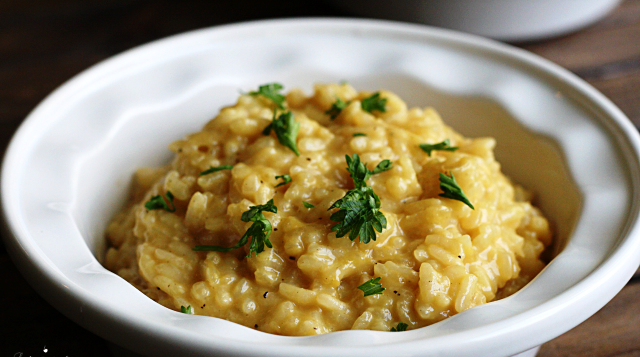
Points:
[(336, 108), (186, 310), (307, 204), (374, 102), (359, 171), (259, 231), (216, 169), (286, 129), (157, 202), (359, 134), (286, 179), (270, 91), (359, 213), (444, 145), (372, 287), (384, 165), (452, 190), (401, 327)]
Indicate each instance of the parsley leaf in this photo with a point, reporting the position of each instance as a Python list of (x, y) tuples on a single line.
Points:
[(452, 190), (372, 287), (444, 145), (336, 108), (286, 129), (384, 165), (307, 204), (374, 102), (259, 231), (401, 327), (215, 169), (359, 171), (286, 178), (359, 134), (270, 91), (157, 202), (186, 310), (359, 213)]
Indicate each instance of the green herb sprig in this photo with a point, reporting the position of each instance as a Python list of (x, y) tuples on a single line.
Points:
[(259, 231), (285, 179), (157, 202), (336, 108), (359, 171), (444, 145), (186, 310), (213, 169), (401, 327), (451, 189), (359, 214), (372, 287), (359, 134), (271, 91), (286, 129), (307, 204), (374, 102)]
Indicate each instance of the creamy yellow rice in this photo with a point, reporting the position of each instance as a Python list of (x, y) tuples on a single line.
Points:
[(436, 258)]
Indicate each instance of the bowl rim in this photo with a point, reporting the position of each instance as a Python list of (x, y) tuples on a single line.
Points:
[(610, 275)]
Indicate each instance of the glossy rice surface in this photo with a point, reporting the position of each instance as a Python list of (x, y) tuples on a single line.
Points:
[(436, 258)]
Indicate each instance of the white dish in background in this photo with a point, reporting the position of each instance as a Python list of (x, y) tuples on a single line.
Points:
[(506, 20), (68, 167)]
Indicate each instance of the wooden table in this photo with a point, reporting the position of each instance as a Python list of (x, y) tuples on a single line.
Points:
[(43, 43)]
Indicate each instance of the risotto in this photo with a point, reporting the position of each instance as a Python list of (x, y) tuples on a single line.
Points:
[(303, 215)]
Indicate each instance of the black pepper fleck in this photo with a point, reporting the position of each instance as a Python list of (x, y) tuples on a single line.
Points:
[(308, 159), (292, 258), (265, 294), (275, 229), (256, 326), (459, 256)]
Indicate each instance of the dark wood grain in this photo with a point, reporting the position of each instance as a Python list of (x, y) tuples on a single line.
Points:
[(610, 43), (613, 331), (43, 43), (607, 55)]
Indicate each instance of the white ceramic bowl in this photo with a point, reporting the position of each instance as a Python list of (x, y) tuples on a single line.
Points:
[(68, 167), (506, 20)]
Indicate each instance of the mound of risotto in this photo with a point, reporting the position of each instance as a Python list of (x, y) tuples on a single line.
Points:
[(303, 215)]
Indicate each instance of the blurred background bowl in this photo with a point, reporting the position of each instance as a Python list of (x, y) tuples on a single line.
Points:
[(505, 20)]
